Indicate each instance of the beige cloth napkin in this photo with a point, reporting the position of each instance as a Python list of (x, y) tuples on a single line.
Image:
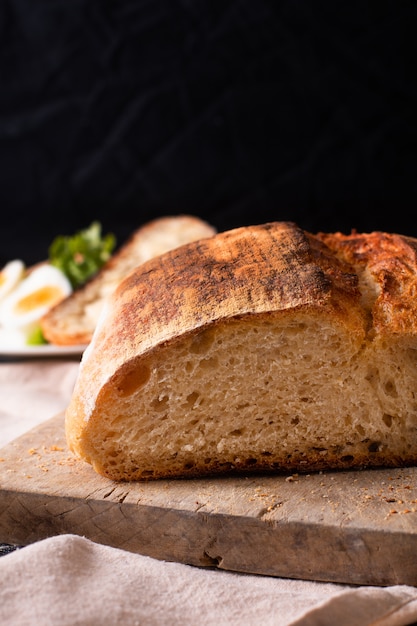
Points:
[(69, 580)]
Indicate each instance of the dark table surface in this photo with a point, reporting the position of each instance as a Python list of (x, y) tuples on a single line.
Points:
[(239, 112)]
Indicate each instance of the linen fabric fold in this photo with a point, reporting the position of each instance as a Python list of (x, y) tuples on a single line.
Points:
[(70, 580)]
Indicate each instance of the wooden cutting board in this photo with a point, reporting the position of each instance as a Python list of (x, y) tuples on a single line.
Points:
[(349, 527)]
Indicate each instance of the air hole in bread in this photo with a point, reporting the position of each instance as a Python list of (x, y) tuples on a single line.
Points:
[(360, 429), (391, 389), (160, 404), (132, 378), (202, 342), (387, 419), (191, 399)]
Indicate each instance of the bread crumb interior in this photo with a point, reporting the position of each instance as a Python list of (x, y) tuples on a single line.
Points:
[(241, 397)]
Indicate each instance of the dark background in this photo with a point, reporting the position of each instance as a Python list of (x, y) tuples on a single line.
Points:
[(239, 112)]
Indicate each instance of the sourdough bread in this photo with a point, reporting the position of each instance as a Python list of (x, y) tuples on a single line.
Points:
[(74, 319), (264, 348)]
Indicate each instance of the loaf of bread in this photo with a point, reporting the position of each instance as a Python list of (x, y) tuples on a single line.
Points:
[(264, 348), (74, 319)]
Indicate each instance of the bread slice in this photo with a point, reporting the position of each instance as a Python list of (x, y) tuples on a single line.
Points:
[(73, 320), (264, 348)]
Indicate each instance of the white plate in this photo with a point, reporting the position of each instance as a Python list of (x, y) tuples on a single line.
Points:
[(46, 350)]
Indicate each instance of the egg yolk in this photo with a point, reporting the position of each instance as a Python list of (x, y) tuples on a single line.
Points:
[(2, 278), (48, 295)]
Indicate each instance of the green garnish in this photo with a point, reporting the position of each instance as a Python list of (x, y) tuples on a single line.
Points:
[(35, 337), (80, 256)]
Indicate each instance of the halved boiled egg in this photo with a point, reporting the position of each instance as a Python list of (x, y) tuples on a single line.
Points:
[(42, 288), (11, 274)]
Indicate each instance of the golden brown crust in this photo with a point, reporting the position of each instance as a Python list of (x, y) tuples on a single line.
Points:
[(391, 261), (258, 269)]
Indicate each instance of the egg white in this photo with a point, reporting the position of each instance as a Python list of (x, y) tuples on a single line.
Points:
[(10, 276), (42, 288)]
